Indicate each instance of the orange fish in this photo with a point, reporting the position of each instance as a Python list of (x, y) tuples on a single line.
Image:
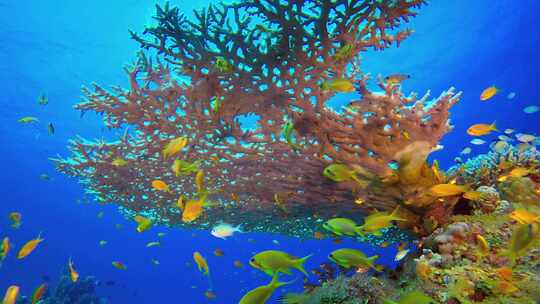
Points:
[(219, 252), (481, 129), (72, 272), (119, 265), (15, 218), (29, 247), (488, 93), (234, 197), (38, 293), (161, 186), (506, 287), (238, 264), (318, 235), (193, 209), (384, 244), (423, 270), (505, 273), (402, 246), (210, 294)]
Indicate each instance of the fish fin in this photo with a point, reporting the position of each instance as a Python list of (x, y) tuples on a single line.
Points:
[(299, 264), (395, 216), (377, 233), (239, 229), (276, 283), (360, 230), (373, 258), (378, 268)]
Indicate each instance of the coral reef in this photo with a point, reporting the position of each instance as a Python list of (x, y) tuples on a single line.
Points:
[(482, 255), (67, 292), (270, 61)]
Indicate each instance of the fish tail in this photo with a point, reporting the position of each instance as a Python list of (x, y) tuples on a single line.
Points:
[(493, 126), (372, 259), (276, 283), (299, 264), (361, 183)]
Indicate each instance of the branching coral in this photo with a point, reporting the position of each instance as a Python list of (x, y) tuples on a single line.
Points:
[(267, 59)]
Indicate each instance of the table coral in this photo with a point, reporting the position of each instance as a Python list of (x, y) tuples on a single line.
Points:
[(267, 60)]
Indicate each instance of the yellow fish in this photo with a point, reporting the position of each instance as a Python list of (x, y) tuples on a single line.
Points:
[(174, 146), (222, 65), (280, 203), (488, 93), (199, 180), (338, 85), (161, 186), (347, 258), (516, 172), (119, 162), (12, 294), (29, 247), (342, 226), (483, 245), (15, 218), (181, 202), (180, 167), (275, 261), (201, 263), (413, 297), (423, 270), (396, 78), (74, 276), (473, 195), (481, 129), (119, 265), (523, 216), (379, 220), (4, 248), (344, 52), (522, 238), (143, 223), (443, 190), (28, 119), (261, 294)]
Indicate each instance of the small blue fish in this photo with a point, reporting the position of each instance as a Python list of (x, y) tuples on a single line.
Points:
[(531, 109)]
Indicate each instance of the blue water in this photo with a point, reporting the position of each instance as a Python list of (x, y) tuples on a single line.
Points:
[(56, 46)]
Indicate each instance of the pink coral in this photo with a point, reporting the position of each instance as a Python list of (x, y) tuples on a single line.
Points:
[(278, 64)]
